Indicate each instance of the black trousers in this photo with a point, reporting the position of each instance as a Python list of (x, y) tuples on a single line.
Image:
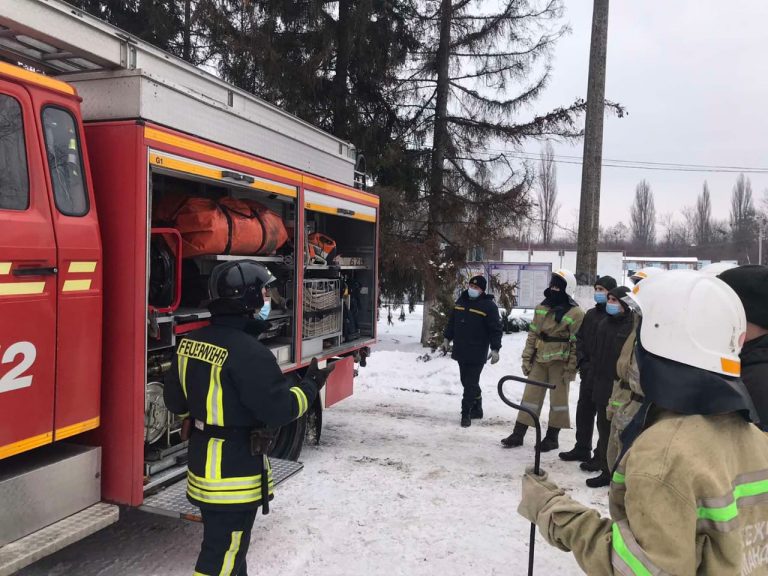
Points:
[(604, 433), (226, 536), (585, 417), (470, 380)]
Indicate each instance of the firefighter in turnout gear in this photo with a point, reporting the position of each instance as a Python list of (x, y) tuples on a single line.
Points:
[(231, 388), (690, 493), (474, 326), (550, 356), (627, 396)]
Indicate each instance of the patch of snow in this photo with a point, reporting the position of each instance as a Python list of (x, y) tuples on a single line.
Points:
[(396, 487)]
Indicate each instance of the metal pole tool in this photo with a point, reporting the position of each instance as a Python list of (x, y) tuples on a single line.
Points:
[(537, 457)]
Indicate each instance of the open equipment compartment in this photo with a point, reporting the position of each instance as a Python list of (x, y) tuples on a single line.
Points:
[(218, 192), (339, 287)]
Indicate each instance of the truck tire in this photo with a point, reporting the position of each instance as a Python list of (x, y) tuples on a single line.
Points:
[(290, 440)]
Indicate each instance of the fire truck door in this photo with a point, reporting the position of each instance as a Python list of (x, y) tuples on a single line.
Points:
[(78, 363), (27, 281)]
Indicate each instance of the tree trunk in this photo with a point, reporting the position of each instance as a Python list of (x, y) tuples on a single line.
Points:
[(343, 50), (439, 145), (589, 213), (187, 54)]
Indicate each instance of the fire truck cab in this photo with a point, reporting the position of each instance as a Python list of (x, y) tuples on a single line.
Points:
[(109, 159)]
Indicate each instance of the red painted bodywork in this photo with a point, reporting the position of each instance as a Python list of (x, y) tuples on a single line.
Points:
[(26, 241), (85, 368)]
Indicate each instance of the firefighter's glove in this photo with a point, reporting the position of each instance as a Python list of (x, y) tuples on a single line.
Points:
[(537, 492), (318, 375), (526, 368), (493, 356), (445, 346)]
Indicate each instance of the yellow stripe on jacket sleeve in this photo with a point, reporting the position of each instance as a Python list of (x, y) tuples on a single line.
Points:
[(301, 400)]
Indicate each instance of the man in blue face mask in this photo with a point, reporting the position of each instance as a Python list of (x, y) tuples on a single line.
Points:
[(610, 337), (474, 326), (586, 409)]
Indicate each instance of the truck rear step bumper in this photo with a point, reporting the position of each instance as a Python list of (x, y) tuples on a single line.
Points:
[(172, 500), (23, 552)]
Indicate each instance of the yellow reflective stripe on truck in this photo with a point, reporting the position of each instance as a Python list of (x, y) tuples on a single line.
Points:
[(26, 444), (21, 288)]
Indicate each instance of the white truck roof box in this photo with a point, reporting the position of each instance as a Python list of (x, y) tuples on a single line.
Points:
[(122, 77)]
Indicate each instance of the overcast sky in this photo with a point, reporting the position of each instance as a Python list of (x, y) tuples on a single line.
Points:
[(693, 75)]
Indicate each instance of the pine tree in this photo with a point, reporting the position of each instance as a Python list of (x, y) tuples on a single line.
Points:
[(480, 66)]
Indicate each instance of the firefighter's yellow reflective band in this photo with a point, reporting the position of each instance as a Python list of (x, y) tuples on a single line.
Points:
[(568, 320), (301, 400), (215, 400), (618, 478), (21, 288), (731, 511), (183, 374), (81, 267), (229, 557), (224, 484), (213, 458), (620, 548), (478, 312), (541, 312), (237, 497), (76, 285), (202, 351), (196, 573), (458, 308)]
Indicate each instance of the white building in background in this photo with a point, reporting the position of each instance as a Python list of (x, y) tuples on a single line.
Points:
[(633, 263), (608, 263)]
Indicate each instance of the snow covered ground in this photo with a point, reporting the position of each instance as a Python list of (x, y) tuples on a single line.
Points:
[(395, 488)]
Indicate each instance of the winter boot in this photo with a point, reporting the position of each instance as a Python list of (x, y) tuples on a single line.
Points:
[(592, 465), (599, 481), (550, 440), (477, 409), (516, 438), (466, 421), (576, 455)]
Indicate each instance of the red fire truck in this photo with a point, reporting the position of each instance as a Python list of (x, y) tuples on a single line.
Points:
[(122, 168)]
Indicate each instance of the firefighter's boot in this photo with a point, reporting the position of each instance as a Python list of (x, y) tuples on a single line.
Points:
[(550, 440), (516, 438), (477, 409), (599, 481), (578, 454), (466, 421)]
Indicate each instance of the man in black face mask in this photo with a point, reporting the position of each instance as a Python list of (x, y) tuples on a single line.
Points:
[(550, 356)]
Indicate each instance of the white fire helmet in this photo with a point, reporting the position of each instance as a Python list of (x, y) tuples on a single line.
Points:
[(717, 268), (692, 318), (645, 273), (570, 281)]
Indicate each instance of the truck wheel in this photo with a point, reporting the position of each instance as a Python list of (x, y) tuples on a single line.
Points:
[(290, 439)]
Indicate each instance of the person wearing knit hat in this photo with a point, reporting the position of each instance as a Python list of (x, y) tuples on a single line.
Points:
[(751, 285), (610, 337), (474, 326), (586, 409)]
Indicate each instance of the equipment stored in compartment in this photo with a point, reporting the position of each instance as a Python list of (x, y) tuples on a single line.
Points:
[(224, 226)]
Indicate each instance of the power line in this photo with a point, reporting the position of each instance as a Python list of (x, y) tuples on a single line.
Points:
[(633, 164)]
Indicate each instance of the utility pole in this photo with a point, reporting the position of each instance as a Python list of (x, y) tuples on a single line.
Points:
[(760, 234), (589, 212)]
